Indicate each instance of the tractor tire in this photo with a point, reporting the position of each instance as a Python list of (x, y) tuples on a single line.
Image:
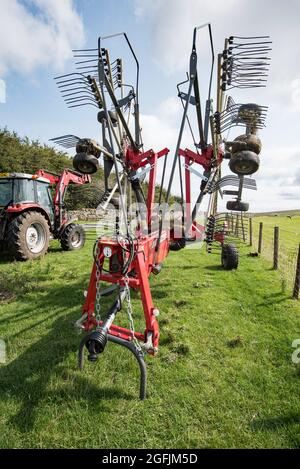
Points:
[(229, 257), (244, 162), (28, 236), (72, 237), (237, 206), (85, 164)]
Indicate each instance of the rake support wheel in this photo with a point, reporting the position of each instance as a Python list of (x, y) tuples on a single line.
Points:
[(85, 164), (237, 206), (229, 257), (246, 142), (244, 162)]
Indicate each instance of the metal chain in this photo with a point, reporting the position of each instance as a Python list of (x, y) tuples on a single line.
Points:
[(129, 314), (98, 294)]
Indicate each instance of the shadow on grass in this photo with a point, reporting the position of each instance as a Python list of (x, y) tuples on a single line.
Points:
[(214, 267), (26, 379), (274, 298), (276, 422), (5, 258), (53, 249)]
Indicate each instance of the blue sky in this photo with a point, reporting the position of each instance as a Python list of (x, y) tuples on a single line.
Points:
[(36, 38)]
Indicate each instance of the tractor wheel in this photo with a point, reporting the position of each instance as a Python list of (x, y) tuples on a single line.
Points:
[(244, 162), (229, 257), (85, 164), (72, 237), (237, 206), (28, 236)]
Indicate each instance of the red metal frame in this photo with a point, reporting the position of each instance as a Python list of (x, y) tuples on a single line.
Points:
[(138, 278), (205, 160), (146, 257), (136, 160)]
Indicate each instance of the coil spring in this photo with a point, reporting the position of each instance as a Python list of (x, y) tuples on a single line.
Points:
[(210, 229)]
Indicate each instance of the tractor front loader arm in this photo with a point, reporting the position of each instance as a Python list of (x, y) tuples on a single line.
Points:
[(68, 176)]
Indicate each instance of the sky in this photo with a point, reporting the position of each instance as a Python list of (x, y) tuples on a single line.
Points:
[(36, 41)]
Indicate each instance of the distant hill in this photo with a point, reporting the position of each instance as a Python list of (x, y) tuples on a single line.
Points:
[(277, 213)]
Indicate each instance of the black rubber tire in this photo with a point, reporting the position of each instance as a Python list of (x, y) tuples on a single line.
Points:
[(85, 164), (72, 237), (246, 142), (175, 243), (237, 206), (244, 162), (113, 116), (229, 257), (16, 237)]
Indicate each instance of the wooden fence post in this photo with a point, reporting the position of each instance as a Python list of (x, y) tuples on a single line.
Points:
[(243, 227), (250, 232), (237, 226), (260, 237), (297, 278), (276, 247)]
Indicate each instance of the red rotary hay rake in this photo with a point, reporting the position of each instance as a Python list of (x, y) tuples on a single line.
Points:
[(126, 258)]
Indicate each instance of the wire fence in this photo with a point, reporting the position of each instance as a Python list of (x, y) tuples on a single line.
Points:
[(280, 247)]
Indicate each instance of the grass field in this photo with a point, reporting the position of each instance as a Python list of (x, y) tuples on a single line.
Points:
[(223, 376), (289, 240)]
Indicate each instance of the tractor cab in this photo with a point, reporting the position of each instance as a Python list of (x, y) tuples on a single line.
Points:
[(19, 190)]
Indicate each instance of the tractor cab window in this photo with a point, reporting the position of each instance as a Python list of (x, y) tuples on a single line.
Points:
[(23, 191), (44, 197), (5, 192)]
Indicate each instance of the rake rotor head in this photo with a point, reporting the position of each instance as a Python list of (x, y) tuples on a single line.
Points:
[(245, 62), (250, 115), (78, 90)]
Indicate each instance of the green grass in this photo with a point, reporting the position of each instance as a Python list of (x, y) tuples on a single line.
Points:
[(289, 240), (223, 376)]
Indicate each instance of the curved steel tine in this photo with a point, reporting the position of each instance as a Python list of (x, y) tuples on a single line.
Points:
[(84, 104)]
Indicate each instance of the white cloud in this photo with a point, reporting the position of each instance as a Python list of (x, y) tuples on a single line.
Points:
[(172, 22), (161, 130), (295, 86), (45, 37), (277, 178)]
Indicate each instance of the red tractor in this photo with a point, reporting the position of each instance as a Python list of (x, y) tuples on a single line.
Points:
[(30, 215)]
